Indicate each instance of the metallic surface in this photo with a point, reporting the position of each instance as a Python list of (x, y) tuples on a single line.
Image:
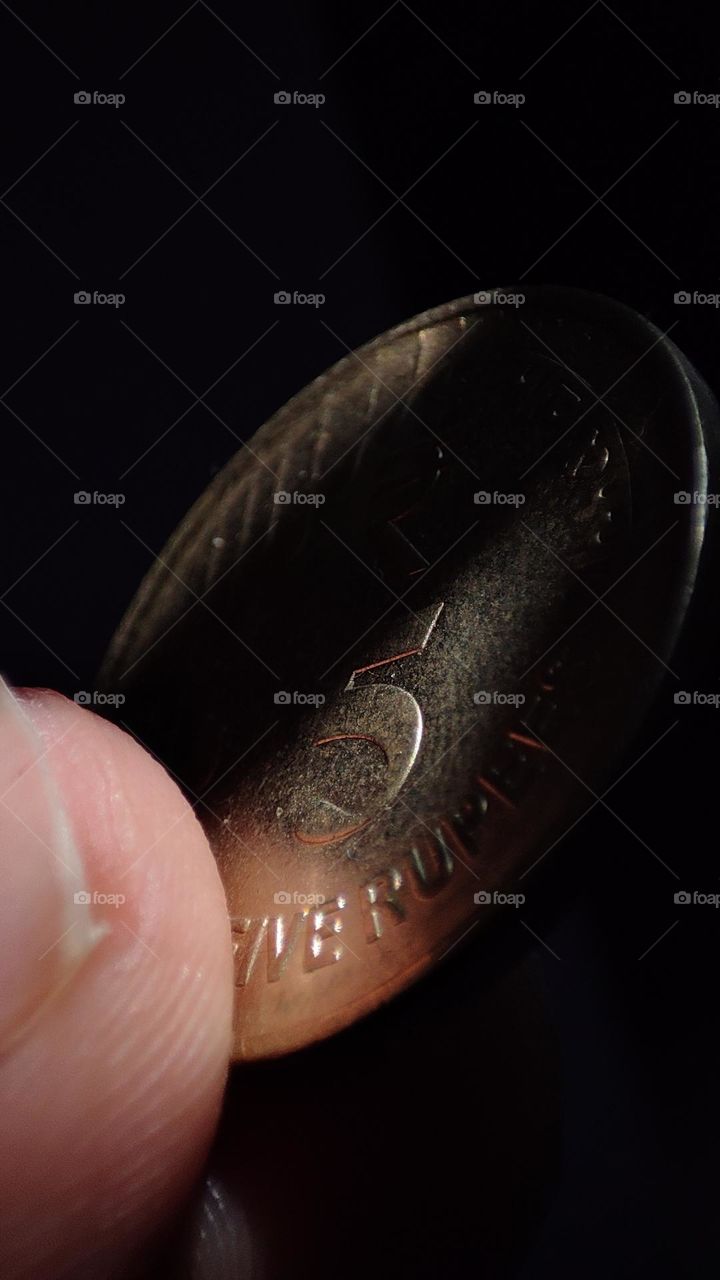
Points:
[(393, 689)]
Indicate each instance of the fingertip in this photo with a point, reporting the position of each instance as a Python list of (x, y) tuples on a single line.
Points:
[(114, 1090)]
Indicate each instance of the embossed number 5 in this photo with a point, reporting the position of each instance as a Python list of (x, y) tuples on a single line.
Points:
[(384, 715)]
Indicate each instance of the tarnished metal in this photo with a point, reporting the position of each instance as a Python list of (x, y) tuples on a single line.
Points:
[(396, 646)]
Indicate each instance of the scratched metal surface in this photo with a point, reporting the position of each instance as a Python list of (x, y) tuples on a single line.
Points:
[(386, 696)]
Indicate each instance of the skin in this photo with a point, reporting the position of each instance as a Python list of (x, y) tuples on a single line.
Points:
[(111, 1092)]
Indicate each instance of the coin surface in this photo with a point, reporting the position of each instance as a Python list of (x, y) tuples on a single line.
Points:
[(396, 646)]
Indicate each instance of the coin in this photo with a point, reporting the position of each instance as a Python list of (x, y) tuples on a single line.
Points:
[(395, 648)]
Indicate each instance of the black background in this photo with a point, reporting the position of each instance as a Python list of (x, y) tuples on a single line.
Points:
[(395, 195)]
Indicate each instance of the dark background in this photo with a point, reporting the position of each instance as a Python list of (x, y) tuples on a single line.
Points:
[(395, 195)]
